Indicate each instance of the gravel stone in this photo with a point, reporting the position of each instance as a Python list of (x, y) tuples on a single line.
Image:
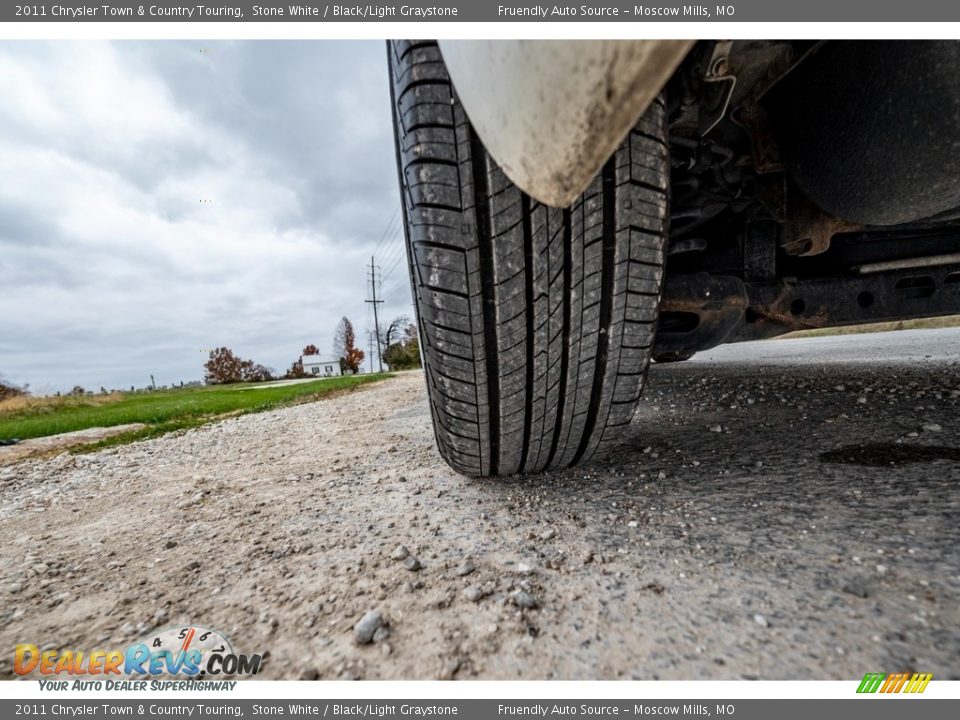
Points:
[(400, 553), (523, 599), (367, 627), (856, 587), (476, 593)]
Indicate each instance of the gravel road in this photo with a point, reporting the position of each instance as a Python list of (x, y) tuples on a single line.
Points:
[(743, 531)]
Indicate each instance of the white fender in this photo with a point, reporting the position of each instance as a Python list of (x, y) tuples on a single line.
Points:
[(552, 112)]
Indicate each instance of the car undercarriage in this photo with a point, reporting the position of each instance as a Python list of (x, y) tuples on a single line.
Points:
[(784, 160)]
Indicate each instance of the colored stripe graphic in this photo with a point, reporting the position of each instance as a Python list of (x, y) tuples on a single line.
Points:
[(894, 682), (919, 682), (870, 683)]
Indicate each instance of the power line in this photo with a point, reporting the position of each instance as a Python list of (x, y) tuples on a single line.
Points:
[(391, 239), (393, 267), (391, 289), (394, 250), (394, 292), (387, 229)]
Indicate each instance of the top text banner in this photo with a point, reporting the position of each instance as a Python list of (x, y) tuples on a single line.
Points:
[(898, 11)]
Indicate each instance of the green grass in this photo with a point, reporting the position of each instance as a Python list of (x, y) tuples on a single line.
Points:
[(919, 324), (162, 411)]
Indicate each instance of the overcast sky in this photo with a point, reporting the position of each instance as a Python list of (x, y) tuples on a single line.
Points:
[(112, 267)]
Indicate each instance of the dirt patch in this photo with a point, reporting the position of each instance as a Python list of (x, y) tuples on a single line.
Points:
[(45, 446)]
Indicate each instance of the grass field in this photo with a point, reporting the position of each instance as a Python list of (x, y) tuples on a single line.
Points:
[(161, 410), (920, 324)]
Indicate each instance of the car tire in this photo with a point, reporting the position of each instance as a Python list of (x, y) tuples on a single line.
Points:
[(536, 323)]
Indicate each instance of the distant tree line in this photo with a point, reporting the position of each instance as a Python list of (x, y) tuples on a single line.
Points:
[(224, 366), (9, 390), (399, 349)]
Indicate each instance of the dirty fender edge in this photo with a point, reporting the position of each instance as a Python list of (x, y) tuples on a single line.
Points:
[(552, 112)]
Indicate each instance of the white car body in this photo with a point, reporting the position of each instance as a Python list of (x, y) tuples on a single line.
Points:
[(552, 112)]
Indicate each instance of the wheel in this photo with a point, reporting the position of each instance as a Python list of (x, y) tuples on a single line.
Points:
[(672, 356), (536, 323)]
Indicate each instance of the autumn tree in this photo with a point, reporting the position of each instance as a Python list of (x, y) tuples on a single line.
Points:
[(296, 370), (259, 373), (225, 367), (345, 347), (296, 367)]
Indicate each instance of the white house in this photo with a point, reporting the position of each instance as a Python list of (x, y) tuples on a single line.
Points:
[(317, 365)]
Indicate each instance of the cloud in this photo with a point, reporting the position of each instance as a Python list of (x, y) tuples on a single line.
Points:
[(160, 198)]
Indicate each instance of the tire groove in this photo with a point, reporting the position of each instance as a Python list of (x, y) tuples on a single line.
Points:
[(564, 334), (609, 191), (488, 295), (529, 306)]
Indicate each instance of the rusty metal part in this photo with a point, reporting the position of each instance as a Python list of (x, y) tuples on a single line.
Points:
[(808, 230), (698, 311), (704, 311), (795, 304)]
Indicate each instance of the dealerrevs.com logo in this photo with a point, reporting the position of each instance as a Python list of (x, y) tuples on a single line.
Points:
[(194, 652), (895, 682)]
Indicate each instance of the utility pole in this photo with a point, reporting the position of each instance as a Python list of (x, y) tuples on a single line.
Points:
[(376, 323), (370, 340)]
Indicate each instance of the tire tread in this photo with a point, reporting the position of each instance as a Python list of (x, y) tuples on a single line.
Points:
[(536, 322)]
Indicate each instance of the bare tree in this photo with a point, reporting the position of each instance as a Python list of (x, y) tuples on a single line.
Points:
[(393, 332), (9, 390), (403, 350)]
